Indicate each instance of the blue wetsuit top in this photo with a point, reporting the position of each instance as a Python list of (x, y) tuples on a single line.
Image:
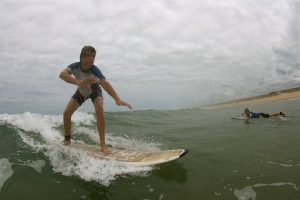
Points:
[(80, 74), (254, 115)]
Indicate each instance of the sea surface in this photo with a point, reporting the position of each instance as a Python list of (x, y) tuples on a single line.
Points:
[(228, 159)]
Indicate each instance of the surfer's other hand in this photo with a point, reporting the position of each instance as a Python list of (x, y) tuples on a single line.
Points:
[(119, 102)]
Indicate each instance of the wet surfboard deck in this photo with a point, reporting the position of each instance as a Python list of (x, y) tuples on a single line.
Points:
[(133, 156)]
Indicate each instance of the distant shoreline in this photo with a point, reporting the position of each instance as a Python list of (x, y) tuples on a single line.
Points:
[(291, 93)]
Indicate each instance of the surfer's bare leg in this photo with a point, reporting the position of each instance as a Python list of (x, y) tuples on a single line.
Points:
[(98, 103), (277, 114), (68, 112)]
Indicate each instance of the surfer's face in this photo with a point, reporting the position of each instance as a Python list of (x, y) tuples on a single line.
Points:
[(87, 60), (247, 112)]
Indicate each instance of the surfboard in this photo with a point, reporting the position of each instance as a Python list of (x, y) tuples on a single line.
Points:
[(132, 156), (244, 117), (239, 117)]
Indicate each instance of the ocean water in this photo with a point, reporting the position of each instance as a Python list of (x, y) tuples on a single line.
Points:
[(228, 159)]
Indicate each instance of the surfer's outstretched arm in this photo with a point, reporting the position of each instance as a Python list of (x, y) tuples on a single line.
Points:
[(110, 90)]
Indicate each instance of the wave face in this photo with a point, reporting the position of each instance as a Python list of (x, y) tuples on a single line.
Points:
[(41, 137)]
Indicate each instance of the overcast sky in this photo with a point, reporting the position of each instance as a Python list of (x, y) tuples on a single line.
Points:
[(158, 54)]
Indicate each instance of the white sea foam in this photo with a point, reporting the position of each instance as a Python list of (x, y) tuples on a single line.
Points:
[(36, 165), (84, 118), (73, 162), (277, 185), (248, 193), (38, 123), (161, 196), (284, 165), (6, 171), (69, 161)]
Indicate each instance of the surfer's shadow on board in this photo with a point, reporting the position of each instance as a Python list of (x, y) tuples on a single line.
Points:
[(173, 171)]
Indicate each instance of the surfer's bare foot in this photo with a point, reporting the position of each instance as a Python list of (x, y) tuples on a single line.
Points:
[(67, 140), (105, 150)]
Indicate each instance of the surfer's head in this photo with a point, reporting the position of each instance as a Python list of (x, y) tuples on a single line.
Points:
[(87, 57), (247, 111), (86, 50)]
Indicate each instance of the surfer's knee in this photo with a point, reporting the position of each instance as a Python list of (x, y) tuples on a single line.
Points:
[(68, 113), (70, 109), (99, 110), (98, 103)]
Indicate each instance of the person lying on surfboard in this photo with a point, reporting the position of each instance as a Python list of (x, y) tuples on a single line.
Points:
[(88, 77), (251, 114)]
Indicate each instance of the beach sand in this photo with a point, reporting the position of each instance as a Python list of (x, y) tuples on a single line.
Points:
[(273, 96)]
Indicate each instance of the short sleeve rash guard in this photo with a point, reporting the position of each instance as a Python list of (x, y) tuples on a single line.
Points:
[(80, 74)]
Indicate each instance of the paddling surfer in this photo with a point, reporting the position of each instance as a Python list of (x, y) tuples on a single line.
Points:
[(251, 114), (88, 77)]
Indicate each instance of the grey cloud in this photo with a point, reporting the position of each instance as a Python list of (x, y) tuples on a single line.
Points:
[(164, 54)]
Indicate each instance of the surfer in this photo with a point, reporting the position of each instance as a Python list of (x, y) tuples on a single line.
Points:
[(251, 114), (88, 77)]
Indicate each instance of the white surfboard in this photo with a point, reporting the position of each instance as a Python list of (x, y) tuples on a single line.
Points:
[(132, 156), (239, 117), (244, 117)]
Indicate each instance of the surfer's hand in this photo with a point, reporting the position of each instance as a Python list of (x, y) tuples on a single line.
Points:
[(119, 102), (86, 83), (105, 150)]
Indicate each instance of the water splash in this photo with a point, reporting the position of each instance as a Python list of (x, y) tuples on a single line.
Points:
[(73, 162), (5, 171)]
